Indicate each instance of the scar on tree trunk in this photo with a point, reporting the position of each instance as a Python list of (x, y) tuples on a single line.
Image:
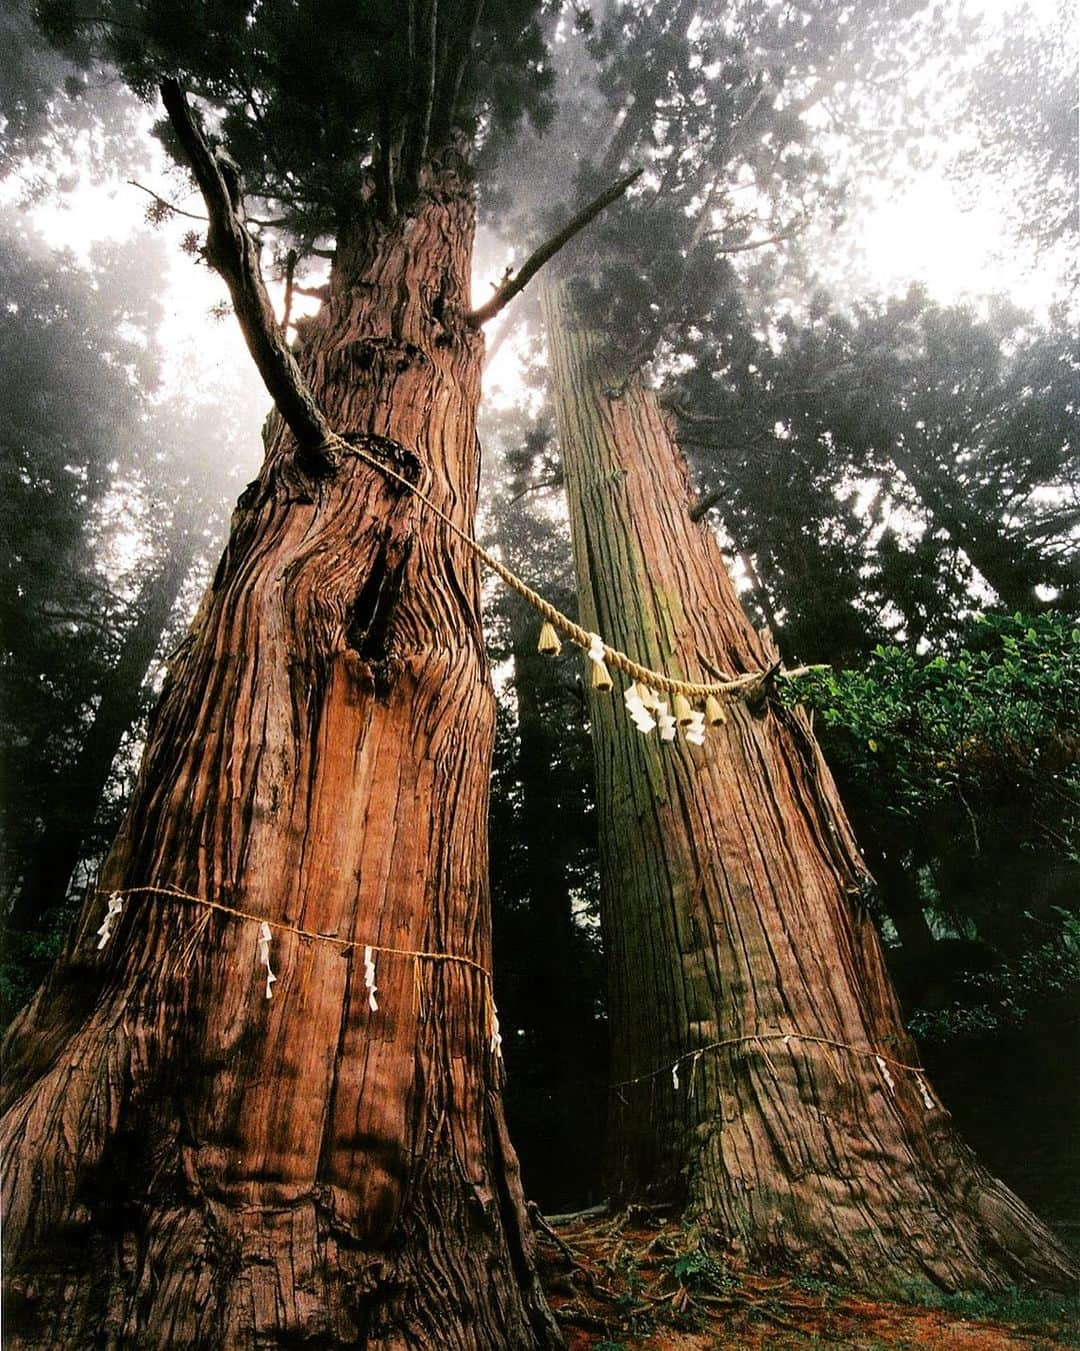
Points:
[(731, 911)]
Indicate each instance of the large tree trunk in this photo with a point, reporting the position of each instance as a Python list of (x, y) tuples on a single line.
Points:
[(187, 1162), (731, 909), (74, 803)]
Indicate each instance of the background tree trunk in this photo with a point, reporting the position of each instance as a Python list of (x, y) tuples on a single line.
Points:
[(1012, 568), (62, 841), (187, 1162), (731, 909)]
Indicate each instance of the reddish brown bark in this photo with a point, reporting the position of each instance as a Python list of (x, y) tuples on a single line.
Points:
[(188, 1163), (731, 908)]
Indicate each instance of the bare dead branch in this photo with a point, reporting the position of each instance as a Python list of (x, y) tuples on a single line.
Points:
[(704, 504), (556, 481), (232, 252), (516, 284), (164, 202)]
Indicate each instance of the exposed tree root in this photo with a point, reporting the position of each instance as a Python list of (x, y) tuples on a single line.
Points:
[(631, 1281)]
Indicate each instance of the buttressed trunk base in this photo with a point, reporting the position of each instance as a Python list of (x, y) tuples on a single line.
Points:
[(731, 912), (189, 1163)]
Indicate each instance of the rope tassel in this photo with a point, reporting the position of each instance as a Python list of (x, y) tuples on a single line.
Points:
[(714, 712), (549, 643), (684, 714), (601, 676)]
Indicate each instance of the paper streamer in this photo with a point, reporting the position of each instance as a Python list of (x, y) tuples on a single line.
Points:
[(496, 1035), (642, 719), (885, 1074), (116, 904), (264, 954), (665, 721), (369, 978)]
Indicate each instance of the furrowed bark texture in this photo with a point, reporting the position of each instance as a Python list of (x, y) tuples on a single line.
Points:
[(731, 907), (187, 1162)]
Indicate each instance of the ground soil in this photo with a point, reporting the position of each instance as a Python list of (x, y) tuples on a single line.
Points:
[(637, 1281)]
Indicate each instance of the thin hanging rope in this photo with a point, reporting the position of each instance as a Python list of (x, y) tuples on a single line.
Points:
[(736, 687), (866, 1051), (342, 944)]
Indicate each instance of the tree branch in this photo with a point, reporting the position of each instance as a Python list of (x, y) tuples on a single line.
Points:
[(555, 482), (789, 232), (516, 284), (232, 252), (416, 139), (704, 504), (165, 203)]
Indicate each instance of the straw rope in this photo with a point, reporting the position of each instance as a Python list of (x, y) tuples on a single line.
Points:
[(342, 944), (736, 687), (866, 1051)]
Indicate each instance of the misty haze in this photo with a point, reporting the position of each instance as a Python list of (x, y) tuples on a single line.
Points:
[(541, 657)]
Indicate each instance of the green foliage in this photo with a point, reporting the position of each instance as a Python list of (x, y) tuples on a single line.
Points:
[(699, 1270), (877, 463), (916, 734), (1006, 995), (69, 401), (28, 955), (306, 96), (968, 766), (1020, 108), (713, 107), (48, 104), (1058, 1315)]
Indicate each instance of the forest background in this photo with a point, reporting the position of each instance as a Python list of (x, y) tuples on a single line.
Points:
[(877, 386)]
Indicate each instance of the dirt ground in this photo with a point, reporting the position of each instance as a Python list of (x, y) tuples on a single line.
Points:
[(624, 1282)]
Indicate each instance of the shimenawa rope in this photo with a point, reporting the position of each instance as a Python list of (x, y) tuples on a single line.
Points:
[(733, 688)]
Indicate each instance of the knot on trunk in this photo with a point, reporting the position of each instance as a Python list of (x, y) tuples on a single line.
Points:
[(400, 458), (389, 354)]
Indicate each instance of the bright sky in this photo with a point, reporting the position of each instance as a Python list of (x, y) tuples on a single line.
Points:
[(924, 234), (928, 236)]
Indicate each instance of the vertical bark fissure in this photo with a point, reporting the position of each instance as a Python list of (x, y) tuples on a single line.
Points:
[(798, 1155)]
